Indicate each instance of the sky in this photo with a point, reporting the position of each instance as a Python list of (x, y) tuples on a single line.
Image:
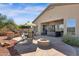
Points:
[(22, 12)]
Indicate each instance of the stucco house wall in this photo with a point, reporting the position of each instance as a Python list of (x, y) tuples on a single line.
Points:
[(56, 12)]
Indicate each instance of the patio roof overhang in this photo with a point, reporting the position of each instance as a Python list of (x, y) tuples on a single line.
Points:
[(60, 21)]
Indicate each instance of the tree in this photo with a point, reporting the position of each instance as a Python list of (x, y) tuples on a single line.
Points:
[(2, 20), (10, 24), (6, 24)]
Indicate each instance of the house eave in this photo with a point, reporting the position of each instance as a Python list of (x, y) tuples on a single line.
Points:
[(54, 4)]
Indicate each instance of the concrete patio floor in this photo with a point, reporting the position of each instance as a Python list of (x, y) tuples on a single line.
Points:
[(58, 48)]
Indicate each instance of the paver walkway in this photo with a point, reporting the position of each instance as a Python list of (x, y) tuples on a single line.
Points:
[(58, 48)]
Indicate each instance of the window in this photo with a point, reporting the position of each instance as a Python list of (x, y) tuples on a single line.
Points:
[(71, 24), (59, 27)]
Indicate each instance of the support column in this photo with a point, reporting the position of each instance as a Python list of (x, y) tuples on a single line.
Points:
[(65, 26), (77, 27), (39, 29)]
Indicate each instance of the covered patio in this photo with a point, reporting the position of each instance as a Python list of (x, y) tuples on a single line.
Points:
[(52, 27)]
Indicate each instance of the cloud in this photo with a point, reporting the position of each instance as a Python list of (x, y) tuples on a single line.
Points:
[(21, 12), (34, 9), (3, 5), (27, 10)]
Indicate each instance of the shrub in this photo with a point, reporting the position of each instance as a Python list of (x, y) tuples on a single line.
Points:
[(74, 41)]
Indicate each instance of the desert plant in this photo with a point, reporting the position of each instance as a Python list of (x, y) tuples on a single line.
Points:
[(74, 41)]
